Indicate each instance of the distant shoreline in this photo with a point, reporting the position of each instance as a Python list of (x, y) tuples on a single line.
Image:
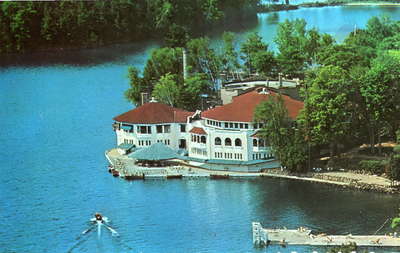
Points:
[(284, 7), (373, 4)]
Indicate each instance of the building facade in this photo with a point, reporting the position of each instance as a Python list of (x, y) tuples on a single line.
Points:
[(221, 135)]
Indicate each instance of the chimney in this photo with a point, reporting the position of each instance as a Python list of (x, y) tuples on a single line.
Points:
[(184, 64)]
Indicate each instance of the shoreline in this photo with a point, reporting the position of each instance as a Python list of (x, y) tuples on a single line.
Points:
[(372, 4), (266, 8), (122, 167)]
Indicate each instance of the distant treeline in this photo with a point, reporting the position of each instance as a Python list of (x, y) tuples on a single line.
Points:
[(29, 26)]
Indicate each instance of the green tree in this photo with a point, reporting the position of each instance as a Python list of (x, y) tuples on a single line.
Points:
[(133, 94), (176, 36), (162, 61), (329, 105), (279, 130), (167, 90), (190, 94), (381, 90), (229, 56), (250, 48), (203, 59), (345, 57)]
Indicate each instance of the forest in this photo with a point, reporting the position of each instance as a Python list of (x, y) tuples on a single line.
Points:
[(351, 89), (43, 25)]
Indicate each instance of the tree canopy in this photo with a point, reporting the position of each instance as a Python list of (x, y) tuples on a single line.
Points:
[(92, 23)]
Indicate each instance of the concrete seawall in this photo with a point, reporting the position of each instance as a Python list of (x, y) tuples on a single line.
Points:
[(126, 168)]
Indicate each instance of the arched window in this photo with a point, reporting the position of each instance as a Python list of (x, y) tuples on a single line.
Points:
[(228, 142), (238, 142), (261, 143), (217, 141), (203, 139), (255, 143)]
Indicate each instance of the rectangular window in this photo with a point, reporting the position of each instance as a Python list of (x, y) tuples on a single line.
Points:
[(127, 128), (231, 125), (236, 125), (145, 130), (167, 128), (246, 126), (159, 129), (226, 124), (183, 128), (241, 125)]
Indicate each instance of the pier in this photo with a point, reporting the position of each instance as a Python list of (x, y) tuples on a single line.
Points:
[(302, 236)]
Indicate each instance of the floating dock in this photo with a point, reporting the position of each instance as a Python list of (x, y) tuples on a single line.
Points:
[(303, 236)]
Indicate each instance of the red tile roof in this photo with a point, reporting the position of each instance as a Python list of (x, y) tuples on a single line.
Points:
[(197, 130), (154, 113), (242, 107)]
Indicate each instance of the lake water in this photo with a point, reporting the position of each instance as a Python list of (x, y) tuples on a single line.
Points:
[(56, 112)]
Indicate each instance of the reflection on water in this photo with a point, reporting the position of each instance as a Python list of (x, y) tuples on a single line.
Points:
[(115, 54), (273, 18)]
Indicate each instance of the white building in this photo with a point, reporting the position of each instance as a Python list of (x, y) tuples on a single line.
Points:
[(222, 138), (153, 122)]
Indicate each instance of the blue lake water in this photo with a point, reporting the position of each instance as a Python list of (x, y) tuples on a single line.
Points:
[(56, 112)]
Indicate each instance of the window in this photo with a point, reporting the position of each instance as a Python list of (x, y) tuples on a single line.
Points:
[(159, 129), (236, 125), (183, 128), (219, 124), (261, 143), (226, 125), (238, 142), (127, 128), (241, 125), (228, 142), (231, 125), (144, 129), (198, 139), (167, 128), (255, 143), (217, 141), (246, 126), (203, 139)]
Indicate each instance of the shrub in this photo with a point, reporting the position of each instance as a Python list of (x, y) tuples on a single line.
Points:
[(376, 167), (346, 163), (394, 168)]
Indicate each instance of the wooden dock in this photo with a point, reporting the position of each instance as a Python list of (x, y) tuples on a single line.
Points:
[(303, 236)]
